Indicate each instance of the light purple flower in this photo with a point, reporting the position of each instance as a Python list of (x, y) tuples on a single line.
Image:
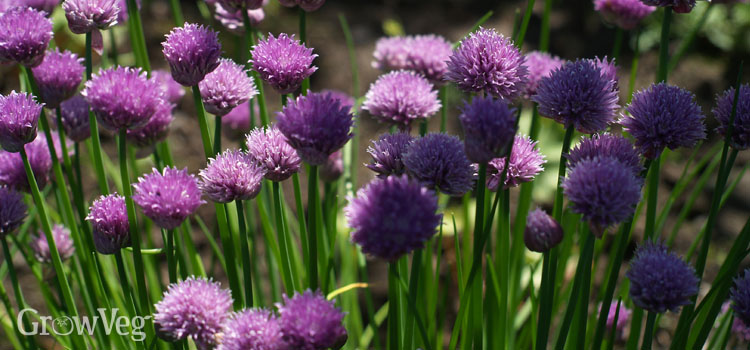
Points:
[(679, 6), (310, 322), (254, 329), (387, 154), (109, 218), (401, 98), (58, 76), (46, 6), (155, 130), (625, 14), (439, 162), (526, 162), (75, 118), (12, 172), (63, 241), (86, 16), (284, 75), (232, 19), (173, 91), (623, 317), (236, 123), (424, 54), (241, 4), (192, 51), (226, 87), (540, 65), (168, 197), (12, 210), (345, 99), (489, 127), (25, 34), (269, 147), (231, 176), (19, 114)]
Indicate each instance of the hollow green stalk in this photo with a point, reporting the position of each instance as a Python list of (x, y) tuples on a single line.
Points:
[(287, 272), (653, 191), (650, 328), (663, 71), (138, 40), (94, 126), (250, 35), (313, 205), (247, 268), (20, 300)]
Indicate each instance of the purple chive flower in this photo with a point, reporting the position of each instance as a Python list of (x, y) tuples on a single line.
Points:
[(401, 98), (123, 97), (439, 162), (237, 122), (226, 87), (46, 6), (12, 172), (723, 111), (660, 280), (173, 91), (607, 67), (578, 94), (284, 75), (488, 62), (232, 19), (122, 16), (269, 147), (25, 34), (255, 329), (679, 6), (606, 145), (663, 116), (192, 51), (540, 65), (63, 241), (623, 317), (168, 197), (740, 296), (85, 16), (739, 328), (345, 99), (307, 5), (604, 191), (155, 130), (242, 4), (333, 168), (392, 216), (387, 154), (58, 76), (12, 210), (489, 128), (542, 232), (194, 308), (231, 176), (19, 114), (424, 54), (109, 218), (625, 14), (316, 125), (75, 118), (310, 322), (526, 162)]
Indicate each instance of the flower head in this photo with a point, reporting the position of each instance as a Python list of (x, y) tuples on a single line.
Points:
[(226, 87), (623, 317), (526, 162), (58, 76), (255, 329), (75, 118), (242, 4), (12, 172), (19, 114), (663, 116), (237, 122), (307, 5), (579, 94), (155, 130), (606, 145), (542, 231), (723, 111), (123, 97), (232, 19), (604, 190), (740, 296), (173, 91), (12, 210), (625, 14), (269, 147), (109, 218), (168, 197), (660, 280), (310, 322), (679, 6), (192, 51), (63, 241), (25, 34), (489, 128), (540, 65), (122, 15), (401, 98), (424, 54), (439, 162), (607, 67), (46, 6), (285, 75), (316, 125), (85, 16), (194, 308), (487, 61), (231, 176), (387, 154), (345, 99)]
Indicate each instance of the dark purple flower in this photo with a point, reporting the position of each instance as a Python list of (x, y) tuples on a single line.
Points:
[(310, 322), (604, 190), (316, 125), (194, 308), (25, 34), (85, 16), (723, 111), (255, 329), (488, 62), (232, 19), (663, 116), (123, 97), (241, 4), (489, 128), (307, 5), (625, 14), (424, 54), (155, 130), (168, 197), (109, 218), (46, 6), (540, 65), (269, 147), (526, 162), (58, 76), (679, 6), (387, 153), (607, 67), (578, 94), (606, 145), (173, 91), (12, 210), (401, 98), (19, 114), (542, 232), (192, 51), (284, 75), (12, 172), (63, 241), (231, 176), (226, 87), (660, 280), (740, 296), (237, 122), (333, 168), (75, 118), (439, 162)]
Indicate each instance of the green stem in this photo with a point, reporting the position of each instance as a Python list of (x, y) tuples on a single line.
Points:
[(138, 40), (662, 72), (20, 300), (443, 95), (113, 47), (475, 320), (518, 40), (688, 40), (10, 312), (634, 65), (581, 285), (650, 328), (617, 47), (171, 256), (287, 273), (394, 336), (227, 243), (130, 301), (653, 191), (544, 32), (174, 5), (203, 123), (313, 204), (217, 135), (247, 268), (303, 39), (250, 34), (352, 54), (94, 126), (412, 298)]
